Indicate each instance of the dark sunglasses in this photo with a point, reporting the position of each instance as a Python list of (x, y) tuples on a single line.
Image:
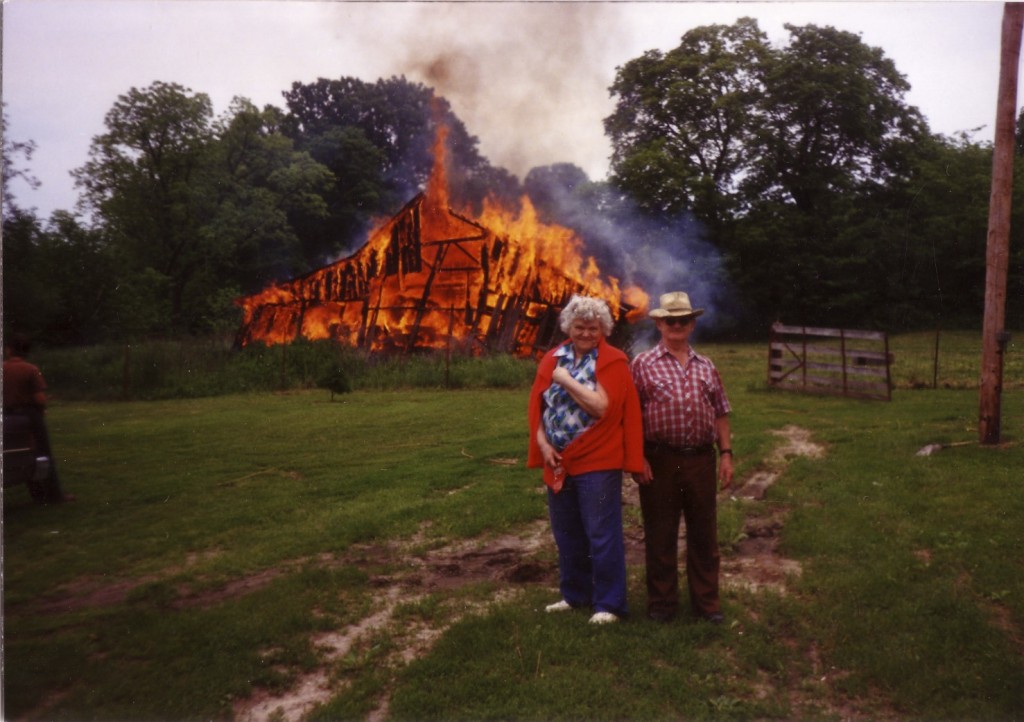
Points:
[(672, 321)]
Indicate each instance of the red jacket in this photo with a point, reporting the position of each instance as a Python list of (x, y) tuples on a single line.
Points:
[(615, 441)]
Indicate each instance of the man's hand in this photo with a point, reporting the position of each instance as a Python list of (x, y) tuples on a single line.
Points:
[(646, 475), (725, 471)]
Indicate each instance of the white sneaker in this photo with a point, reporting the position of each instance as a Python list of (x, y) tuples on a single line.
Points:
[(603, 618), (562, 606)]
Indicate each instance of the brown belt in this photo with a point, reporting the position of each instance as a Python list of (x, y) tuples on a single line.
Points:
[(659, 446)]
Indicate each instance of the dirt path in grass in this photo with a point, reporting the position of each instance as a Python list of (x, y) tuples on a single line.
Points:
[(515, 560), (512, 561)]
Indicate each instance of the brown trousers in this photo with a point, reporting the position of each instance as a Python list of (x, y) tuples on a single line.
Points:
[(685, 486)]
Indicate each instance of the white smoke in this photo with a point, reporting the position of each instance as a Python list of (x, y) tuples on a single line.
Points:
[(494, 63), (658, 254)]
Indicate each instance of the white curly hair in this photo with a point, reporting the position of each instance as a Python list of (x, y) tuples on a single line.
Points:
[(588, 309)]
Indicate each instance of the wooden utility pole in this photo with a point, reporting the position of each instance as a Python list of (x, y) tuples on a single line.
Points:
[(994, 336)]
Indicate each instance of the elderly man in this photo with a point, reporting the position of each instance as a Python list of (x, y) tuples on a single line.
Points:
[(685, 414)]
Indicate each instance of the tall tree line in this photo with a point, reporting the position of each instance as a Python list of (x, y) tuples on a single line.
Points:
[(792, 183), (829, 197)]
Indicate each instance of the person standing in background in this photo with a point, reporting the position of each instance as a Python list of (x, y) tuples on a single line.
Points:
[(25, 394)]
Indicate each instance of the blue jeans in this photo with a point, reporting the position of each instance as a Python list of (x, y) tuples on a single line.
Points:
[(586, 519)]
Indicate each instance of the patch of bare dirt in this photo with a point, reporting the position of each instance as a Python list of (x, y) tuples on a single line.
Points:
[(796, 442), (87, 592), (92, 592), (316, 687), (1002, 616), (507, 558), (757, 564), (187, 599)]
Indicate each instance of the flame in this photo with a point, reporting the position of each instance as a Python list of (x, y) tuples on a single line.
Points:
[(431, 277), (638, 301)]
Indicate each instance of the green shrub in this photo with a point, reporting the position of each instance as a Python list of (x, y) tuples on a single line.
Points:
[(336, 381)]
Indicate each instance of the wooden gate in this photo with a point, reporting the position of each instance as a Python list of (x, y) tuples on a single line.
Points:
[(830, 361)]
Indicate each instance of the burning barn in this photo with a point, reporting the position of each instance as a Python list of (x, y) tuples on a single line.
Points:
[(432, 278)]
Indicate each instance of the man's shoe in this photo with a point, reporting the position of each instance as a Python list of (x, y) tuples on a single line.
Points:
[(603, 618), (713, 618), (562, 606), (661, 617)]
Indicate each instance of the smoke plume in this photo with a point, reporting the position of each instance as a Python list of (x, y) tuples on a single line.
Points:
[(528, 105)]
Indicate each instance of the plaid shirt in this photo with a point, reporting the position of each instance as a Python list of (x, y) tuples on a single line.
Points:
[(680, 402)]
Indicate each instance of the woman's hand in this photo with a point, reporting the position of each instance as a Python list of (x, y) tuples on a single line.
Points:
[(593, 401), (562, 377), (552, 457)]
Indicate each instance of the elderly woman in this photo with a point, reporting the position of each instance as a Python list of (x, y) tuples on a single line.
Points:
[(585, 430)]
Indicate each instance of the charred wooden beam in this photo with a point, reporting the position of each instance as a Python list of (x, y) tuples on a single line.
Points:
[(421, 307)]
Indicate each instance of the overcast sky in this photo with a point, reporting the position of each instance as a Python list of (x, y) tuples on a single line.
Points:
[(530, 80)]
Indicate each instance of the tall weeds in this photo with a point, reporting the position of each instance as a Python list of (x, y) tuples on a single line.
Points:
[(199, 367)]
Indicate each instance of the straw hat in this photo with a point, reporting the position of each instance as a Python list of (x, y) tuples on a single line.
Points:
[(675, 304)]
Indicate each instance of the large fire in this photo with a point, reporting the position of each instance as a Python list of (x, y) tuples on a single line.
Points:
[(430, 277)]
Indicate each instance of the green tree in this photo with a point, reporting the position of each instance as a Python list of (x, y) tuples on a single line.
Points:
[(24, 309), (140, 181), (939, 221), (833, 120), (943, 230), (11, 168), (779, 151), (357, 190), (684, 120), (335, 119), (906, 254), (82, 275), (198, 210), (260, 188), (60, 280), (27, 300)]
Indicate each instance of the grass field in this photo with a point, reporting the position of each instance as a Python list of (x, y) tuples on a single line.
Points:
[(385, 555)]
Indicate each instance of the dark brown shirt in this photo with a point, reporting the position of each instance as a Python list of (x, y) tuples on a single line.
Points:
[(23, 384)]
